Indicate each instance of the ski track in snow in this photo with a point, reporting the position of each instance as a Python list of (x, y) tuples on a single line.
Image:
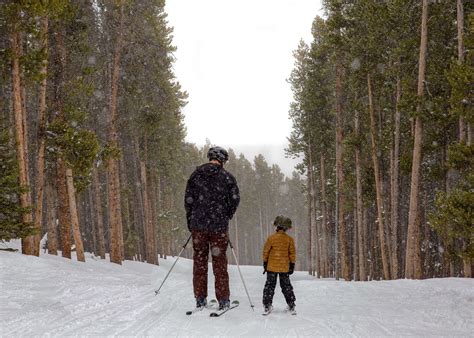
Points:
[(53, 296)]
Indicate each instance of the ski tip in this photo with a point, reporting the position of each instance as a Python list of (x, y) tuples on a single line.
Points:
[(189, 313), (213, 314), (235, 302)]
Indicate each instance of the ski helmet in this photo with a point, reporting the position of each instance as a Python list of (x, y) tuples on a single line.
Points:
[(218, 153), (282, 222)]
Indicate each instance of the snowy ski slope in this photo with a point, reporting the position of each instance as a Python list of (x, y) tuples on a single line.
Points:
[(53, 296)]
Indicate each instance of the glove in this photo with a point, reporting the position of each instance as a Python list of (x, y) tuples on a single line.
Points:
[(292, 268), (264, 267)]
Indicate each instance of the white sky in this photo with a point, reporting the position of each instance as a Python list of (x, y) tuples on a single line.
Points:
[(233, 59)]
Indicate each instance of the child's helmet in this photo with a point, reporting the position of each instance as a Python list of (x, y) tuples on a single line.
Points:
[(282, 222)]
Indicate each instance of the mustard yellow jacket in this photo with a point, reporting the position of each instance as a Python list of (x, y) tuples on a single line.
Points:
[(279, 251)]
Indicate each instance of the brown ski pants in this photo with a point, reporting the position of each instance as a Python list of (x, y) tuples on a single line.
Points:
[(217, 243)]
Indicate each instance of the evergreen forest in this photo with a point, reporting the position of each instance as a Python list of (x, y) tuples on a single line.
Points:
[(93, 154)]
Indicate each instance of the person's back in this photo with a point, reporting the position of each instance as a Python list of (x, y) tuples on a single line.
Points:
[(279, 249), (279, 257), (211, 199)]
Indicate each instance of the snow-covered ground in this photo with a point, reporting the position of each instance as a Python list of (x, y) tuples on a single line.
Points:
[(50, 295)]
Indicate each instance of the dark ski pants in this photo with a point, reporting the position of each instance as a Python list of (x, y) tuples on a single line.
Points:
[(285, 284), (216, 242)]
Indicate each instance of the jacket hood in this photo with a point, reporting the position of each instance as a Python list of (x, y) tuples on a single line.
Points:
[(209, 169)]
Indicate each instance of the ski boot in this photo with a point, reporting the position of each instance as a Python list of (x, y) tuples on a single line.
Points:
[(201, 302), (224, 304), (267, 309), (291, 308)]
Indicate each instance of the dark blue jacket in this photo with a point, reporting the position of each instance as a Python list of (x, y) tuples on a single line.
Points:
[(211, 198)]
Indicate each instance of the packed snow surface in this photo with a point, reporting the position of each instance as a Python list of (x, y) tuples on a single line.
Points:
[(50, 295)]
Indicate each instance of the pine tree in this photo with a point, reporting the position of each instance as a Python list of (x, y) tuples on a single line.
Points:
[(452, 217), (20, 126), (113, 178), (12, 223), (413, 264)]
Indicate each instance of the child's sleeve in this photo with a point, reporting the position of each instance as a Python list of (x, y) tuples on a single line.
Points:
[(292, 251), (266, 250)]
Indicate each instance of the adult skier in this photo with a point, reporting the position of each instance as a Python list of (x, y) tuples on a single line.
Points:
[(211, 199)]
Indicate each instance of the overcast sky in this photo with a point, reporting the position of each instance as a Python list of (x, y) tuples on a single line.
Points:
[(233, 59)]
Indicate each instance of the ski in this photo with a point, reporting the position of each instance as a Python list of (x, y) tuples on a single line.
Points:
[(292, 312), (190, 312), (218, 313), (212, 303)]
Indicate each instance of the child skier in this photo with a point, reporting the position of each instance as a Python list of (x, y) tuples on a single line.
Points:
[(279, 258)]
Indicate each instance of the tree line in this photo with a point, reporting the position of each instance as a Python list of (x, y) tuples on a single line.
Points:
[(92, 142), (382, 114)]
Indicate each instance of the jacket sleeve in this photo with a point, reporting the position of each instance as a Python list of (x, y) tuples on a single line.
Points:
[(266, 250), (188, 200), (292, 251), (234, 197)]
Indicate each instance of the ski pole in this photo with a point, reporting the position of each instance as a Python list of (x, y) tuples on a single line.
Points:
[(240, 273), (166, 277)]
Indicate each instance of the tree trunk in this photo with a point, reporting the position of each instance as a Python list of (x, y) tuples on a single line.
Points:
[(51, 220), (149, 229), (39, 184), (27, 243), (412, 243), (71, 191), (167, 207), (359, 207), (469, 133), (159, 201), (316, 229), (467, 267), (417, 266), (125, 205), (343, 240), (310, 212), (152, 191), (92, 220), (462, 129), (169, 223), (395, 183), (146, 209), (355, 241), (26, 145), (138, 199), (336, 233), (467, 264), (369, 239), (63, 215), (99, 220), (324, 222), (113, 178), (460, 26), (313, 232), (378, 184)]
